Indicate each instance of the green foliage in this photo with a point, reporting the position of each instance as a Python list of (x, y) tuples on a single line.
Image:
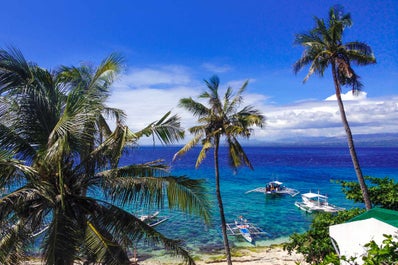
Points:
[(384, 254), (57, 150), (315, 244), (382, 191), (324, 48), (220, 118)]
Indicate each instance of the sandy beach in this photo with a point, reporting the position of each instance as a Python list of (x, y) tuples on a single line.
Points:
[(265, 255)]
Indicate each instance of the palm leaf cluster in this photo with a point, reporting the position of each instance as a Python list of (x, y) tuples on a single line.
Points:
[(324, 47), (59, 161), (222, 117)]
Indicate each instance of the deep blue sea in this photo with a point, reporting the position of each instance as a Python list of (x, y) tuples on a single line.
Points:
[(302, 168)]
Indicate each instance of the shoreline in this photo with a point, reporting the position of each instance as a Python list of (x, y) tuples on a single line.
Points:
[(256, 255), (268, 253)]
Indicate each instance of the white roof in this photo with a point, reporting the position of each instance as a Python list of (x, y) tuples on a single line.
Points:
[(312, 195), (351, 237)]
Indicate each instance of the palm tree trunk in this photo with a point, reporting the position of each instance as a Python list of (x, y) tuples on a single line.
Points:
[(350, 140), (219, 199)]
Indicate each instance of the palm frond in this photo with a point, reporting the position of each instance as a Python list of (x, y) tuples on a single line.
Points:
[(206, 145), (106, 72), (302, 62), (188, 146), (141, 185), (62, 240), (12, 169), (236, 154), (213, 84), (249, 116), (359, 47), (197, 109), (360, 54), (13, 244), (126, 229), (167, 130), (130, 183), (188, 195), (230, 106), (153, 168), (15, 71), (118, 114), (101, 248)]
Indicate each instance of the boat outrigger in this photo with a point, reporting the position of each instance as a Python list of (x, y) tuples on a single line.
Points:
[(313, 202), (241, 227), (275, 187), (153, 219)]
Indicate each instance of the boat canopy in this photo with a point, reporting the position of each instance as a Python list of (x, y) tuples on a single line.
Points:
[(276, 182), (312, 195)]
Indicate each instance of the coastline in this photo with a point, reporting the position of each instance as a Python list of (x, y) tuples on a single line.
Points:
[(265, 255), (256, 255)]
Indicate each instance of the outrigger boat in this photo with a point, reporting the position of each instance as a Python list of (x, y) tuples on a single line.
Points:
[(275, 187), (245, 229), (153, 219), (313, 202)]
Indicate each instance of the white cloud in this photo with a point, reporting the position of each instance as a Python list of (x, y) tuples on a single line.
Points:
[(139, 95), (216, 69), (322, 118), (163, 75), (349, 96)]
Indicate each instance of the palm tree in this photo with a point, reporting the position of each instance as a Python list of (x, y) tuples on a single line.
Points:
[(221, 118), (324, 47), (57, 154)]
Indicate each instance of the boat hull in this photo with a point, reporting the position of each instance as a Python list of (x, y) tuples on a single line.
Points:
[(246, 234)]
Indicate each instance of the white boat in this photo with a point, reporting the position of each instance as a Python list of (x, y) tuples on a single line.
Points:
[(153, 219), (313, 202), (241, 227), (275, 187)]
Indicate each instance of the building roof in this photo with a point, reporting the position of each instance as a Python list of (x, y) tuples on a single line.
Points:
[(388, 216)]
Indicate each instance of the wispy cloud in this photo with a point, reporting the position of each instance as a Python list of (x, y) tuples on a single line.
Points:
[(322, 118), (216, 69), (166, 75), (139, 94)]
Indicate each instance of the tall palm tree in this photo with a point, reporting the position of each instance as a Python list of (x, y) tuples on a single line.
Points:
[(221, 118), (324, 47), (59, 159)]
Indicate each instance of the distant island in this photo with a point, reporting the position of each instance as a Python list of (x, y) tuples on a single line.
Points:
[(360, 140)]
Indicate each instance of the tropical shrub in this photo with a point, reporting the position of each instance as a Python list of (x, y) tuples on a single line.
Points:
[(382, 192), (384, 254), (315, 244), (59, 161)]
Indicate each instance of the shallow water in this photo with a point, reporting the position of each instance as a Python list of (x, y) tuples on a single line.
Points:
[(302, 168)]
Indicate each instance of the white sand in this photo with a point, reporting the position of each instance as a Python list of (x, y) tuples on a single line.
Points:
[(271, 255), (264, 255)]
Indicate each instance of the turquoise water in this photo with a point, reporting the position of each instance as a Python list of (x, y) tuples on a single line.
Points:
[(303, 169)]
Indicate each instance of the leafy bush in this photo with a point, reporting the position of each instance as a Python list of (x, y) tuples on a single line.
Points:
[(315, 244), (385, 254), (382, 192)]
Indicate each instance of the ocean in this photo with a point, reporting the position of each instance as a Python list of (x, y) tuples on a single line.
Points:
[(302, 168)]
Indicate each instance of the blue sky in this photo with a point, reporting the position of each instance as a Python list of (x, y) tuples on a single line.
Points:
[(171, 46)]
